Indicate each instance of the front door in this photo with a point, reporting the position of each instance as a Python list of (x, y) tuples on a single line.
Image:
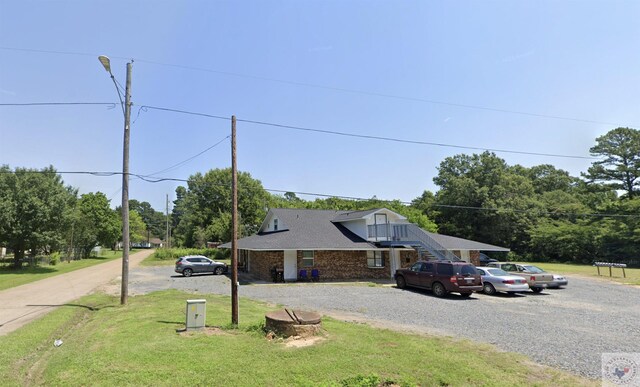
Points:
[(290, 265)]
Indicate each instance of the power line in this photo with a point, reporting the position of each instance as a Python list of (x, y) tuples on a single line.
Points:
[(112, 105), (369, 137), (334, 88), (189, 159), (355, 198)]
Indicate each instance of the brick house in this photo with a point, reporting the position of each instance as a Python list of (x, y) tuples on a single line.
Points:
[(362, 245)]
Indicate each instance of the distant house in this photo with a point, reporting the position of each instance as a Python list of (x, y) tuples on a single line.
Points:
[(156, 243), (368, 244)]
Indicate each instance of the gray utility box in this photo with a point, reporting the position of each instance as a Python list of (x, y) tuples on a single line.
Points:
[(196, 314)]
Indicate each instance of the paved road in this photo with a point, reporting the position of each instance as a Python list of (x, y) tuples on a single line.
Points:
[(566, 328), (25, 303)]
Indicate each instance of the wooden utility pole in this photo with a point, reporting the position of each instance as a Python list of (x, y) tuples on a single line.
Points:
[(166, 241), (234, 221), (124, 291)]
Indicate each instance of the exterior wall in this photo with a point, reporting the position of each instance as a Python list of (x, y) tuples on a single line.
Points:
[(342, 265), (408, 257), (261, 263), (358, 227), (475, 257)]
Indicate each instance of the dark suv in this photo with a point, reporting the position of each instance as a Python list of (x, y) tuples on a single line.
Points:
[(442, 277)]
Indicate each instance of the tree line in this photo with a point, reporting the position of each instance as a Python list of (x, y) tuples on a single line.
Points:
[(540, 213)]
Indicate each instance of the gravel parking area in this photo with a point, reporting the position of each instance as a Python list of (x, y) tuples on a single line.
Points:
[(565, 328)]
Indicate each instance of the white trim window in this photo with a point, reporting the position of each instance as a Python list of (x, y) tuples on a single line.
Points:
[(275, 224), (307, 258), (375, 259)]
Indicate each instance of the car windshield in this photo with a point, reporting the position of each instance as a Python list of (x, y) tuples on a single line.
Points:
[(533, 269)]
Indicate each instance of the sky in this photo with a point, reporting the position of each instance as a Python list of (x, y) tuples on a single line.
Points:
[(543, 77)]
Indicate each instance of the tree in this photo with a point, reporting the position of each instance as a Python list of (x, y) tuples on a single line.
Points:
[(482, 198), (137, 228), (33, 209), (93, 223), (620, 168), (206, 207), (154, 221)]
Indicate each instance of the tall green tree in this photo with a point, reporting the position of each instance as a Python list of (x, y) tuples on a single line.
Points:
[(206, 207), (93, 222), (620, 167), (155, 221), (482, 198), (33, 210)]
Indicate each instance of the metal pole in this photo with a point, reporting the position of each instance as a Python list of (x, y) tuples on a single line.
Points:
[(234, 221), (125, 192)]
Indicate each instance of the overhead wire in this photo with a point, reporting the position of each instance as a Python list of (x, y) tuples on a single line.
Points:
[(149, 179), (333, 88)]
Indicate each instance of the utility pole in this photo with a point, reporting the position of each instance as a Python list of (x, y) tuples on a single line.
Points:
[(234, 221), (126, 110), (167, 233), (124, 292)]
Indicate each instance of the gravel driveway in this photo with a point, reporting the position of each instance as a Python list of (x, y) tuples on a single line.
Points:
[(565, 328)]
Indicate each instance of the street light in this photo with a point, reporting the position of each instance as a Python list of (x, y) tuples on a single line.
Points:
[(126, 110)]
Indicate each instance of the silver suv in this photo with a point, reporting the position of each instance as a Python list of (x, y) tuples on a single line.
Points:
[(192, 264)]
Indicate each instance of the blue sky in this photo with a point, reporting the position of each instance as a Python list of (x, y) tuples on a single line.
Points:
[(380, 68)]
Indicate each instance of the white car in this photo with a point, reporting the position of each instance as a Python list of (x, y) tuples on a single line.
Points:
[(558, 280), (497, 280)]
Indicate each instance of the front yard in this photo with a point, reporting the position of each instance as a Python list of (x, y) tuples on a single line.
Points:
[(107, 344)]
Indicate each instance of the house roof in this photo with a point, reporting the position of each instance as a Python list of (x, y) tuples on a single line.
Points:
[(306, 230), (343, 216), (322, 230), (454, 243)]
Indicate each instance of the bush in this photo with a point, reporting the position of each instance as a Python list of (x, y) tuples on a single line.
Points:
[(54, 259), (171, 254)]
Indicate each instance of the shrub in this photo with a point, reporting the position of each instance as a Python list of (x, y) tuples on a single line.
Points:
[(171, 254), (54, 259)]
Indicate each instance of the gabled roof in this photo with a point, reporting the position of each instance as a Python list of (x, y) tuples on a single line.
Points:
[(343, 216), (322, 230), (306, 230), (454, 243)]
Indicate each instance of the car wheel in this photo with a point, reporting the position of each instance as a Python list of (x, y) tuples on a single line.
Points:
[(536, 290), (400, 282), (465, 295), (187, 272), (219, 270), (439, 290), (488, 289)]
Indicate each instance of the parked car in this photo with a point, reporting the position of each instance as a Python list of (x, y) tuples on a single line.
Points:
[(441, 277), (497, 280), (537, 278), (558, 281), (192, 264), (486, 260)]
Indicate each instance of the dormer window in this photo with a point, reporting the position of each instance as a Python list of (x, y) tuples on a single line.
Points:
[(275, 224)]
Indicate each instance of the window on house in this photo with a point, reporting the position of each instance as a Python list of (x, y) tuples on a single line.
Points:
[(374, 259), (307, 258), (275, 224)]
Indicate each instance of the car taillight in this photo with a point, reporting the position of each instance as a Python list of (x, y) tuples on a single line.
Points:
[(511, 282), (179, 263), (533, 278), (453, 279)]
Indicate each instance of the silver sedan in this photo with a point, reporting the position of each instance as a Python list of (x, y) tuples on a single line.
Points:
[(497, 280)]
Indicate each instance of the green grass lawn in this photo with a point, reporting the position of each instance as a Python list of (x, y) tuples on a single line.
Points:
[(138, 344), (10, 277), (633, 275)]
